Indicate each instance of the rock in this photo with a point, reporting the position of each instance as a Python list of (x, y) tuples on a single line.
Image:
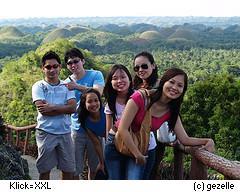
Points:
[(12, 165)]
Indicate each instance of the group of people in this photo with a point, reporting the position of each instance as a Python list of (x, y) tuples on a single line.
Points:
[(74, 126)]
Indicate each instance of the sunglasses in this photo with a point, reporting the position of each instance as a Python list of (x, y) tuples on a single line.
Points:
[(75, 61), (49, 67), (143, 66)]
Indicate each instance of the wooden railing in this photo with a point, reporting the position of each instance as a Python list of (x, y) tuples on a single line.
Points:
[(12, 130), (201, 159)]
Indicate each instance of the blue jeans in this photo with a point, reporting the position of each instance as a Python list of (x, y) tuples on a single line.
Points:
[(115, 161), (134, 171), (119, 166), (149, 165)]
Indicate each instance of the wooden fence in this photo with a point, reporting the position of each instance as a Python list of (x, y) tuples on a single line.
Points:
[(12, 130)]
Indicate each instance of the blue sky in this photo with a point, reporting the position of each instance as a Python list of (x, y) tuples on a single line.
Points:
[(101, 8)]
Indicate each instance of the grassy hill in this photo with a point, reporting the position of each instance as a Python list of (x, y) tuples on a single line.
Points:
[(10, 32), (151, 35), (100, 37), (57, 34), (76, 29), (183, 34)]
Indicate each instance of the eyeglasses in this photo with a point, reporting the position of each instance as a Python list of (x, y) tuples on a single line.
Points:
[(75, 61), (143, 66), (49, 67)]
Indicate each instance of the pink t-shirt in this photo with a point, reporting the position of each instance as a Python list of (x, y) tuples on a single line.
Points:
[(156, 121)]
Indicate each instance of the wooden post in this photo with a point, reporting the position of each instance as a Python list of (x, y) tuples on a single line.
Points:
[(198, 170), (178, 163), (17, 138), (28, 133), (10, 139), (159, 156)]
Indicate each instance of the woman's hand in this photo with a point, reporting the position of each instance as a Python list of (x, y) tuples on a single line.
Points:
[(141, 159), (100, 166), (209, 146)]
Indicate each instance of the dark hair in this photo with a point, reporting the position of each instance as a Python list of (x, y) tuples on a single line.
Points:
[(50, 55), (110, 93), (152, 79), (175, 104), (74, 52), (83, 113)]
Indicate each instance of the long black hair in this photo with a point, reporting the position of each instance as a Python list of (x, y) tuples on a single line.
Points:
[(110, 94), (175, 104), (83, 113), (152, 79)]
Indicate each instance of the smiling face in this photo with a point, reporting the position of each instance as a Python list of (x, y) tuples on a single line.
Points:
[(173, 88), (51, 69), (92, 103), (143, 67), (120, 81), (75, 65)]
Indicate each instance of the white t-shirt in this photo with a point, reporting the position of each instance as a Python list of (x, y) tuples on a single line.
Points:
[(57, 95), (119, 110)]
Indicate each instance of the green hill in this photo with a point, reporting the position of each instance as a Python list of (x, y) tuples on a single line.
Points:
[(138, 42), (166, 32), (183, 34), (76, 29), (10, 33), (233, 28), (150, 35), (57, 34), (113, 28), (217, 31), (100, 37), (141, 27)]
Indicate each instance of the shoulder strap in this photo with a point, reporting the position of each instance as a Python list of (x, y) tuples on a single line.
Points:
[(146, 96)]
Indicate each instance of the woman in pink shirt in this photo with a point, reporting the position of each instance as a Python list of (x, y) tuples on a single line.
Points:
[(165, 105)]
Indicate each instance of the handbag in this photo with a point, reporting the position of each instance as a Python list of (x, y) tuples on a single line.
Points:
[(164, 135), (141, 137)]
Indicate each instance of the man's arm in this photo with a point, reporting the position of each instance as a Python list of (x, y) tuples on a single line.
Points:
[(99, 88), (73, 85), (51, 110), (98, 83)]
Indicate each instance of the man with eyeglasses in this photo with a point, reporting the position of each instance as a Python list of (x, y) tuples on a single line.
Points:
[(54, 104), (80, 80)]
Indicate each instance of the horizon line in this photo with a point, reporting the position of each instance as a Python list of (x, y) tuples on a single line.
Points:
[(74, 17)]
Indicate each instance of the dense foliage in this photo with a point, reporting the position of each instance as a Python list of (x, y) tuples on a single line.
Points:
[(211, 109)]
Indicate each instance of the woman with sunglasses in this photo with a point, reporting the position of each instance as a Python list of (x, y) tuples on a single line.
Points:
[(146, 76), (146, 72)]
